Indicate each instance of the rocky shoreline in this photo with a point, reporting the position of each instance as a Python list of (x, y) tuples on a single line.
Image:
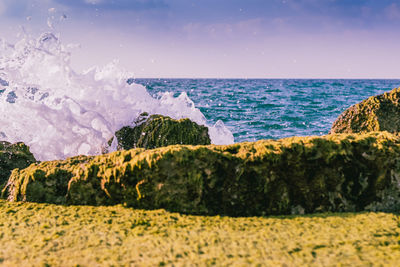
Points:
[(298, 175)]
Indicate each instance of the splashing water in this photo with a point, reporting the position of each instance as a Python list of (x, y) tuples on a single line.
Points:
[(60, 113)]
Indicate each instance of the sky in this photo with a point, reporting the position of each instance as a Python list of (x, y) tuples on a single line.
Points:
[(220, 38)]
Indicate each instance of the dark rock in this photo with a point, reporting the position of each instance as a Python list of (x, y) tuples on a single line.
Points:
[(13, 156), (377, 113), (336, 173), (158, 131)]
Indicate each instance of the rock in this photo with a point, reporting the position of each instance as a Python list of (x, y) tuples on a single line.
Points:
[(158, 131), (377, 113), (13, 156), (335, 173)]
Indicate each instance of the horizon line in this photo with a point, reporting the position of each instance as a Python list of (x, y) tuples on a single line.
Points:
[(258, 78)]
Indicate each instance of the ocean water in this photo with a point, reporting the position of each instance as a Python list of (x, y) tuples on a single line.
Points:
[(60, 112), (254, 109)]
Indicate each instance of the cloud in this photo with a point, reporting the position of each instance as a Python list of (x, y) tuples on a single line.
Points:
[(393, 12), (22, 9), (239, 30), (12, 8), (2, 8), (93, 2), (114, 5), (221, 18)]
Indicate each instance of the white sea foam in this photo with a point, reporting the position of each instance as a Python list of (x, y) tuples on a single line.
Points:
[(60, 113)]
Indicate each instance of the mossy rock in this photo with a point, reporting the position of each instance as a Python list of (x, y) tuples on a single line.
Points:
[(343, 172), (377, 113), (35, 234), (13, 156), (159, 131)]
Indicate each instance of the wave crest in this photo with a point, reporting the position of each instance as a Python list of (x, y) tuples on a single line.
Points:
[(61, 113)]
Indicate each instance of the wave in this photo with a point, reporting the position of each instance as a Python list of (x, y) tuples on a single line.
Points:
[(60, 113)]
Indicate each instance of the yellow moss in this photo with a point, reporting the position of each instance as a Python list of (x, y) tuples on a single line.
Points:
[(377, 113), (41, 234), (343, 172)]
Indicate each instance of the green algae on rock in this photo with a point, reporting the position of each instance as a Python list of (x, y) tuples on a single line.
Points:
[(342, 172), (13, 156), (377, 113), (158, 131)]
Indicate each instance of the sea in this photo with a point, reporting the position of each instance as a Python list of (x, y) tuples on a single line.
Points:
[(254, 109), (60, 112)]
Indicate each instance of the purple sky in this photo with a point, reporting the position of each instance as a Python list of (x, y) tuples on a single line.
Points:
[(222, 38)]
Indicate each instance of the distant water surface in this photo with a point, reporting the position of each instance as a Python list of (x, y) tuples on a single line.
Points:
[(255, 109)]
